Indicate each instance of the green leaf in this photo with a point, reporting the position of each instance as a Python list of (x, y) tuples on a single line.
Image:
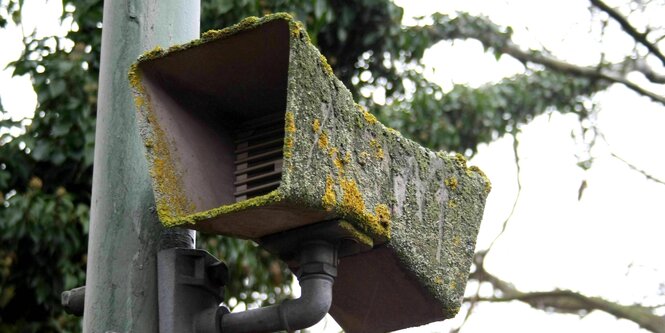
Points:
[(41, 151), (57, 87)]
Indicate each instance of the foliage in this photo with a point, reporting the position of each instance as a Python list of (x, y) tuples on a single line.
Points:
[(46, 161)]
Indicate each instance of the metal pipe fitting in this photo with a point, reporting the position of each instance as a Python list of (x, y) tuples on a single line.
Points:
[(73, 301), (318, 269)]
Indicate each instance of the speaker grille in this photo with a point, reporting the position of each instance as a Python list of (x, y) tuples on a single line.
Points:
[(258, 156)]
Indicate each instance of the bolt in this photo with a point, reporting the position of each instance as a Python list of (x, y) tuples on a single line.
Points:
[(72, 301)]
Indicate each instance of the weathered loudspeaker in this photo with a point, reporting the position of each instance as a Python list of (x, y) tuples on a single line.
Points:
[(249, 134)]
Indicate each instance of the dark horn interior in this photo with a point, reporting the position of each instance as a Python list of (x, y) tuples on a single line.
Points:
[(221, 106)]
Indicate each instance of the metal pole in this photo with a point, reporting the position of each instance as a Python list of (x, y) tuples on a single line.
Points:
[(125, 235)]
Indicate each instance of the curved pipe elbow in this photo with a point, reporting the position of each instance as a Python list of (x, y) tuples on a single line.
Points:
[(319, 262), (311, 307)]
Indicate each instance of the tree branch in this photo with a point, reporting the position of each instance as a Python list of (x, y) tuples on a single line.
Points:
[(517, 197), (630, 165), (568, 68), (641, 66), (629, 29), (492, 36), (644, 173), (567, 301), (479, 257)]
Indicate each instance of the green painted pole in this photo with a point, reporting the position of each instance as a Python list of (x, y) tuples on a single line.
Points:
[(125, 235)]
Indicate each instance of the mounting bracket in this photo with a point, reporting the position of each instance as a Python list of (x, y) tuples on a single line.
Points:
[(191, 289)]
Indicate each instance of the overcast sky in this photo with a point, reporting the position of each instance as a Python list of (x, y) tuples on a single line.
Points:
[(609, 244)]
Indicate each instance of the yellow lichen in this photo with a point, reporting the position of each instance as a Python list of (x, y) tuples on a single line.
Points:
[(290, 126), (325, 65), (453, 311), (134, 77), (316, 126), (379, 153), (260, 201), (352, 200), (329, 198), (393, 131), (488, 183), (438, 279), (457, 241), (364, 156), (460, 160), (453, 284), (170, 200), (339, 164), (323, 141), (452, 203), (353, 205), (370, 118), (383, 215), (347, 158), (290, 129), (378, 150), (156, 52), (296, 28), (288, 145), (451, 183)]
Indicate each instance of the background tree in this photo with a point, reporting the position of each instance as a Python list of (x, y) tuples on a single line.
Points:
[(46, 160)]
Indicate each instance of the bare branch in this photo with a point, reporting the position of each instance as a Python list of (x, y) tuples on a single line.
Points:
[(589, 72), (479, 257), (494, 37), (517, 197), (638, 65), (641, 66), (629, 29), (567, 301), (632, 166)]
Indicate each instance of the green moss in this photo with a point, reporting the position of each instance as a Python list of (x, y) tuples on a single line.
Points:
[(377, 148), (341, 161), (295, 27), (361, 237), (488, 183), (460, 160), (394, 132), (170, 201), (260, 201), (156, 52), (326, 67)]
